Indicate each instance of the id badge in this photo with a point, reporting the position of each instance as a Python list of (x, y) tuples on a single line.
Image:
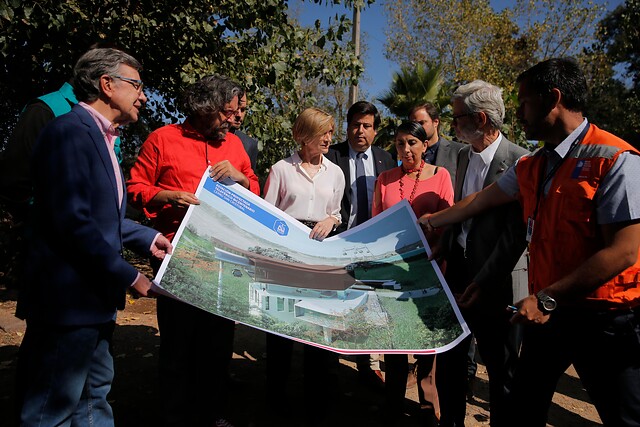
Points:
[(530, 224)]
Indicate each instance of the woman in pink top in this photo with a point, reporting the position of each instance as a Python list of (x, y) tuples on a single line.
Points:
[(427, 188)]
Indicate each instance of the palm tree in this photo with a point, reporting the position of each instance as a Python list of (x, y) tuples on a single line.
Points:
[(411, 87)]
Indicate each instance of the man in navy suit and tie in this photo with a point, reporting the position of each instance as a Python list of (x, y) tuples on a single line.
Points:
[(363, 120), (77, 276)]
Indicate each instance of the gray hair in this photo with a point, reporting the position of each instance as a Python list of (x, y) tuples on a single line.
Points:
[(209, 95), (480, 96), (93, 65)]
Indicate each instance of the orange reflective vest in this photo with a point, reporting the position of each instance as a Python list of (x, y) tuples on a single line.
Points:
[(566, 232)]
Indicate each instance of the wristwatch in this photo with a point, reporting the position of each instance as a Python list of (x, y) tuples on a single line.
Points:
[(546, 304)]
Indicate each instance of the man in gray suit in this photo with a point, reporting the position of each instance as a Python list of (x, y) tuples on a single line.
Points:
[(440, 151), (481, 254)]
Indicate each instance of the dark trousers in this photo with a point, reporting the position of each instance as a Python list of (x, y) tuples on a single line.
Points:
[(65, 374), (195, 352), (396, 367), (497, 343), (317, 365), (604, 348)]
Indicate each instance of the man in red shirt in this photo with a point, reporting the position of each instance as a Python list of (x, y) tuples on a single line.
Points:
[(195, 346)]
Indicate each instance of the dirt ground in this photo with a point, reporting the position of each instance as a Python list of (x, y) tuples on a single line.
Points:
[(135, 392)]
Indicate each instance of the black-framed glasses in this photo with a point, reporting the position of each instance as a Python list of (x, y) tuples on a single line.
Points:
[(455, 117), (137, 84)]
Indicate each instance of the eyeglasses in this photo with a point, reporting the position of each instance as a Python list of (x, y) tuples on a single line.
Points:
[(137, 84), (228, 113), (455, 117)]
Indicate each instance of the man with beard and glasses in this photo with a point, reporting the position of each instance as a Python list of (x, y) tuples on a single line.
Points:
[(481, 254), (581, 204), (195, 346)]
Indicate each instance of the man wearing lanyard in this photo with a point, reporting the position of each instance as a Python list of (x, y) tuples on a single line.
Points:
[(582, 211)]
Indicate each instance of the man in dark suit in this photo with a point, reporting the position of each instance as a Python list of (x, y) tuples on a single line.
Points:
[(481, 254), (77, 277), (363, 120), (440, 151), (250, 144)]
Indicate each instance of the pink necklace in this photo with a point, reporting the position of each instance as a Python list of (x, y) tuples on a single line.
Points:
[(415, 185)]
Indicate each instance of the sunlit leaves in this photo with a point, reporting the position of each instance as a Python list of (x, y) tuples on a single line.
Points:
[(470, 40), (253, 41)]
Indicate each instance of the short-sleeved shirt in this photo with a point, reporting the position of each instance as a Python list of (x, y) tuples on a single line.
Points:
[(617, 198)]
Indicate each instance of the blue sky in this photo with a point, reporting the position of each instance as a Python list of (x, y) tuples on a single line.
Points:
[(378, 70)]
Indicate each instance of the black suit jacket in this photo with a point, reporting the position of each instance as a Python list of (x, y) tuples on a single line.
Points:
[(250, 146), (339, 154), (496, 237)]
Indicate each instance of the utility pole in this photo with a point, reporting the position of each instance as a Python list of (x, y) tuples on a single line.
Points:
[(353, 90)]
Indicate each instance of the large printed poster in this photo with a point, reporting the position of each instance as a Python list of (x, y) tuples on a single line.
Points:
[(369, 289)]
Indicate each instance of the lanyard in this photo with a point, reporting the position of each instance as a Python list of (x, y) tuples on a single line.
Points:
[(543, 181)]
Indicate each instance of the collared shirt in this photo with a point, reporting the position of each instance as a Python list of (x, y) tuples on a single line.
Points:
[(290, 188), (560, 152), (474, 179), (370, 173), (618, 196), (174, 158), (110, 134), (431, 153)]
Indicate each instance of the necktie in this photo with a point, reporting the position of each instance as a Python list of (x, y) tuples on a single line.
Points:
[(362, 207)]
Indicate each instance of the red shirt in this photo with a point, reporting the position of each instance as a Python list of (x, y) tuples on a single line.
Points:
[(174, 158)]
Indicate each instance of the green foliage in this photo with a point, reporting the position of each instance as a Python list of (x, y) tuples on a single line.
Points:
[(413, 86), (252, 41), (619, 35), (614, 103), (470, 40)]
